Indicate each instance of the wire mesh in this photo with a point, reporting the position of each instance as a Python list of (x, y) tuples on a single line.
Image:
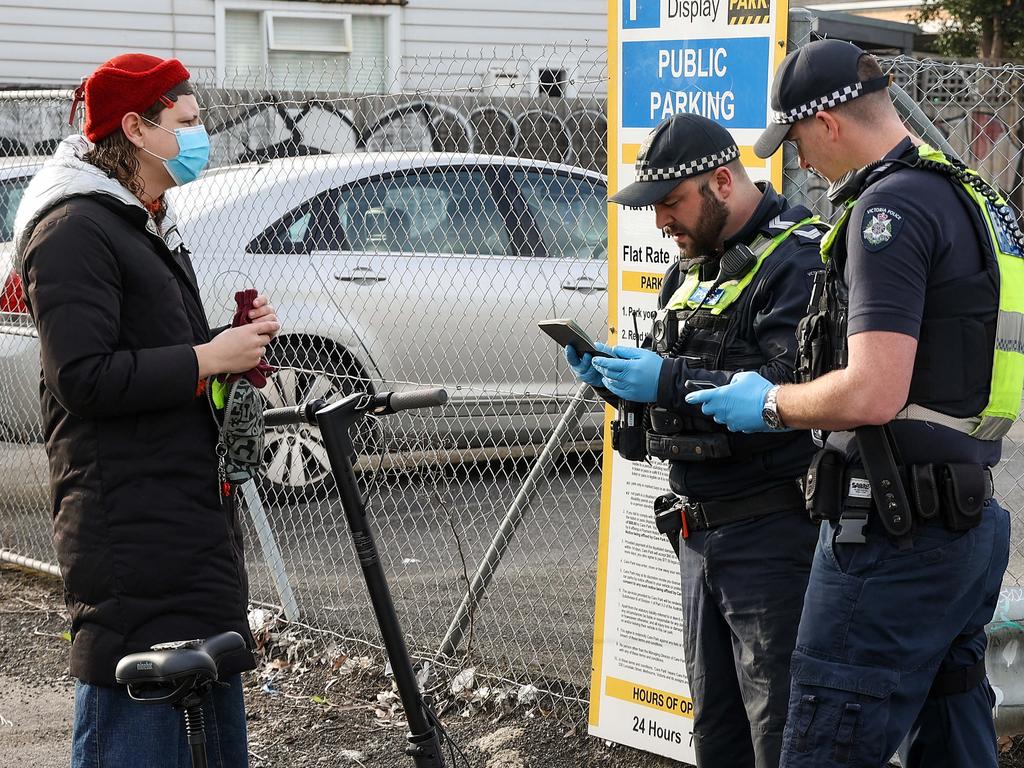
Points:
[(406, 239), (409, 239)]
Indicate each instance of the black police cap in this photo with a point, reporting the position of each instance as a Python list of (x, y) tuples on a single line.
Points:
[(819, 76), (683, 146)]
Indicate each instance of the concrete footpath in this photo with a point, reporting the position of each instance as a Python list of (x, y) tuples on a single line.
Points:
[(35, 724)]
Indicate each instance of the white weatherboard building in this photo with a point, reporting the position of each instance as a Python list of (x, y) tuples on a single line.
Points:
[(527, 42)]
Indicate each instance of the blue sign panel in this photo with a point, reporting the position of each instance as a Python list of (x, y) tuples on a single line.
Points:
[(724, 79), (641, 14)]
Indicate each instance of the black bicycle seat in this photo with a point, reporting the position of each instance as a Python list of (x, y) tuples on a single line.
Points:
[(181, 665)]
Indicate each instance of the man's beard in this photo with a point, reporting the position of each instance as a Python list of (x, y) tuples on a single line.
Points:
[(707, 234)]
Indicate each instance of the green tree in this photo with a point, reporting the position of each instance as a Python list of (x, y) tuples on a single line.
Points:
[(991, 29)]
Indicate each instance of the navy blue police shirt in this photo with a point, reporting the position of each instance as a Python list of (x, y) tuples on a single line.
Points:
[(911, 231), (766, 318)]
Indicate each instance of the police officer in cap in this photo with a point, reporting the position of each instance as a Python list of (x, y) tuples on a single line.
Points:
[(731, 303), (913, 358)]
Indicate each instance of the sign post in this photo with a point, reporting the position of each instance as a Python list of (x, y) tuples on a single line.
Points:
[(714, 58)]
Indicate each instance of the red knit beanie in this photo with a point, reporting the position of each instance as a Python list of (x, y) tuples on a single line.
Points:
[(131, 82)]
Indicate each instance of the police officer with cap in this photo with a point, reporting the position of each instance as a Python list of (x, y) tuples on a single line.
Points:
[(731, 303), (912, 355)]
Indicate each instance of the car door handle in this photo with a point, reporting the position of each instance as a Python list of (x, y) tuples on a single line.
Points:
[(359, 275), (584, 285)]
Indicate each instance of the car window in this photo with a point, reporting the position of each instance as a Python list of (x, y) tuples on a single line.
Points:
[(423, 212), (310, 227), (571, 213), (11, 191)]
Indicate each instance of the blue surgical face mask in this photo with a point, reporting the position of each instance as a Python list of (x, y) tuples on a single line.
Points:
[(193, 153)]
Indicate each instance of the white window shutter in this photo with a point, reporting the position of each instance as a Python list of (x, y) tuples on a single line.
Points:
[(369, 54), (363, 71), (369, 37), (243, 43), (308, 33)]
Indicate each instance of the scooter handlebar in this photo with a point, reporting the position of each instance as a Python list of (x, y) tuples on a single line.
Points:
[(282, 417), (384, 403), (418, 398)]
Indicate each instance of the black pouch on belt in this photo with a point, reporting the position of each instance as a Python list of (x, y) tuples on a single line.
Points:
[(629, 437), (924, 487), (688, 447), (668, 517), (965, 495), (823, 486), (665, 422)]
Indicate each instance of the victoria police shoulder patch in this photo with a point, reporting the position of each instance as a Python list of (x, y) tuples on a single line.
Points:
[(880, 227)]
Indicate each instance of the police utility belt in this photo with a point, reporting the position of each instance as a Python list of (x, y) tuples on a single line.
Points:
[(663, 441), (666, 438), (953, 494), (677, 516)]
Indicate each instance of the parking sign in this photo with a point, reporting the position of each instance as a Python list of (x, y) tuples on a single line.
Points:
[(641, 14), (714, 58)]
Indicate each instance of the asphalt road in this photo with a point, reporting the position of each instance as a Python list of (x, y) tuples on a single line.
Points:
[(433, 527)]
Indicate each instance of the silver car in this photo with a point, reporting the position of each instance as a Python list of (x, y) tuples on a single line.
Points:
[(403, 270), (19, 347)]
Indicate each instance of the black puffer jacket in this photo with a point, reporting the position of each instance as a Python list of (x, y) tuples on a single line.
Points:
[(148, 551)]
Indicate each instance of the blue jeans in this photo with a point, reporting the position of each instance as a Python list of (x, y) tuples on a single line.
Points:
[(743, 589), (878, 623), (112, 731)]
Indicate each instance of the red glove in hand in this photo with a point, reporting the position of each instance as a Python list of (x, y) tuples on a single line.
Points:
[(243, 302)]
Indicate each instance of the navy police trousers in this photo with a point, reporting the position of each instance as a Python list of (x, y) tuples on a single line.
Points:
[(878, 623), (743, 588)]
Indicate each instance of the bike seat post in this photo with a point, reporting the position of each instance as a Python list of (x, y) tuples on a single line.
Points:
[(195, 728), (182, 675)]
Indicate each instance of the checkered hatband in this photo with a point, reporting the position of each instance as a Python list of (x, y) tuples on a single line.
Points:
[(829, 101), (692, 168), (834, 99)]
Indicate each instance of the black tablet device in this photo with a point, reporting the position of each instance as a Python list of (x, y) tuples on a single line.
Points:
[(567, 332)]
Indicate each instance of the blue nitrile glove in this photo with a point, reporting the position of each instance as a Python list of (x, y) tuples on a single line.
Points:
[(582, 367), (632, 374), (738, 404)]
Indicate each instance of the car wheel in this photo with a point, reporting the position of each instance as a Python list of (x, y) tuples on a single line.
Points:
[(295, 462)]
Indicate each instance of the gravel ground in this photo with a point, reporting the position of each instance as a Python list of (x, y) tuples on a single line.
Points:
[(316, 714), (305, 707)]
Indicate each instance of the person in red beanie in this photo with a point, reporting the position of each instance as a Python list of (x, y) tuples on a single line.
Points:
[(147, 537)]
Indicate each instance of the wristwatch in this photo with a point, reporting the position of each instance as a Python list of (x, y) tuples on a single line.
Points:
[(770, 411)]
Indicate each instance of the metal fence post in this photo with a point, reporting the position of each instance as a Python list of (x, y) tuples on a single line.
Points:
[(6, 556), (799, 28), (918, 121), (271, 552), (509, 524), (793, 177)]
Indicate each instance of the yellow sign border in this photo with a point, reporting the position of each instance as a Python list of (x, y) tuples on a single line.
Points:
[(597, 658), (614, 159)]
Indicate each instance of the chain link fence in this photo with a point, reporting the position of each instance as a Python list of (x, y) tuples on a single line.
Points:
[(407, 240), (414, 239)]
